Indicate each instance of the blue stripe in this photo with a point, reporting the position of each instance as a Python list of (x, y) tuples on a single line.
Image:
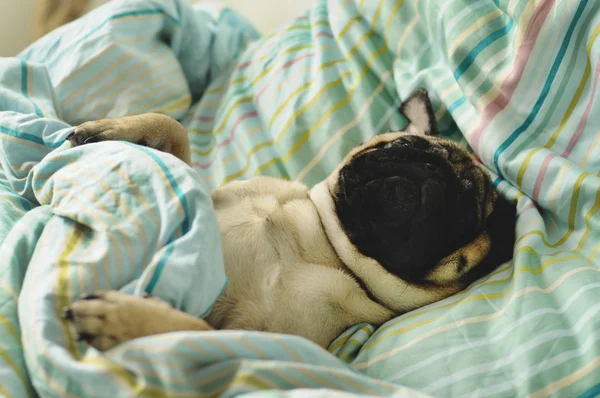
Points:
[(25, 88), (591, 393), (26, 204), (159, 268), (136, 13), (545, 90), (29, 137), (185, 225), (482, 45), (456, 104)]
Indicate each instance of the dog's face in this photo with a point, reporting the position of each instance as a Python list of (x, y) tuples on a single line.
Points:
[(413, 210)]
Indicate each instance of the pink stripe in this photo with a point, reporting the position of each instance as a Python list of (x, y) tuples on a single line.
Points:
[(326, 34), (245, 116), (540, 178), (227, 141), (283, 67), (528, 206), (585, 116), (574, 138), (510, 84), (206, 119), (243, 65)]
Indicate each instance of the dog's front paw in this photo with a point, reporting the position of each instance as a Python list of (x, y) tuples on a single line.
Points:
[(96, 131), (126, 128), (105, 319)]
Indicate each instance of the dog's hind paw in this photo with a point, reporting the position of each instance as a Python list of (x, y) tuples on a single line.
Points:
[(105, 319)]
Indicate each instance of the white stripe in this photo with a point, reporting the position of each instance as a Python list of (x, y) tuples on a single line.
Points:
[(564, 356), (473, 320), (338, 134), (521, 351), (500, 336)]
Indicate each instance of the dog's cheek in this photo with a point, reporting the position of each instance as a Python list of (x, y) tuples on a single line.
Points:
[(500, 227)]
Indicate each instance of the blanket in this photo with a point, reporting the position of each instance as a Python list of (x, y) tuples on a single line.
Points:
[(516, 80)]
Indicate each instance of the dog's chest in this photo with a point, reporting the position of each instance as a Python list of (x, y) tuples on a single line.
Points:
[(270, 249)]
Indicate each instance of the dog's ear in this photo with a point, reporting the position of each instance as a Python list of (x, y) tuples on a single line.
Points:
[(419, 112), (500, 227)]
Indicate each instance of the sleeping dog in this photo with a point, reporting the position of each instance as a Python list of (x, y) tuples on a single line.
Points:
[(407, 219)]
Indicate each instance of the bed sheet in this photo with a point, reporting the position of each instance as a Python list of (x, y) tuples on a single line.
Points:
[(514, 79)]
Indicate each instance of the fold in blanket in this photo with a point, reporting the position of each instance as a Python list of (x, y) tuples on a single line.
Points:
[(515, 79)]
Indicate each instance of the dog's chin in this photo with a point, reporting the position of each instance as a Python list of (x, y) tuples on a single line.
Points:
[(390, 290)]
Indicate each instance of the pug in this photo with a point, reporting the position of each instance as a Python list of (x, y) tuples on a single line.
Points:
[(407, 219)]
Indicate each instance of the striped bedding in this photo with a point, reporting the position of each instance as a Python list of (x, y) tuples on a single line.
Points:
[(515, 79)]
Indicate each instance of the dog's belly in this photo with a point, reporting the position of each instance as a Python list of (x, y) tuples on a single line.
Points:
[(261, 253), (284, 275), (281, 269)]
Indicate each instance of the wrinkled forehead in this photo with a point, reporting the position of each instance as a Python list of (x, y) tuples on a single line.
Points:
[(385, 138)]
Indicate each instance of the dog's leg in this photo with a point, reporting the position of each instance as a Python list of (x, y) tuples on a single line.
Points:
[(153, 130), (106, 319)]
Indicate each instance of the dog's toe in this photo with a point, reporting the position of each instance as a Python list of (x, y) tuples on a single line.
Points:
[(107, 318), (90, 132)]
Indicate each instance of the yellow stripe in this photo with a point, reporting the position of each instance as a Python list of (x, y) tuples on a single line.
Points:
[(218, 166), (574, 101), (269, 164), (290, 351), (465, 298), (90, 62), (340, 133), (264, 73), (557, 184), (346, 380), (14, 203), (10, 328), (348, 25), (62, 287), (216, 132), (32, 343), (8, 289), (102, 91), (178, 104), (590, 150), (93, 82), (90, 198), (4, 392), (214, 90), (475, 26), (393, 14), (472, 320), (494, 91), (461, 299), (239, 173), (137, 388), (253, 83), (157, 81), (366, 329), (12, 365), (252, 380), (571, 220), (334, 108), (573, 378)]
